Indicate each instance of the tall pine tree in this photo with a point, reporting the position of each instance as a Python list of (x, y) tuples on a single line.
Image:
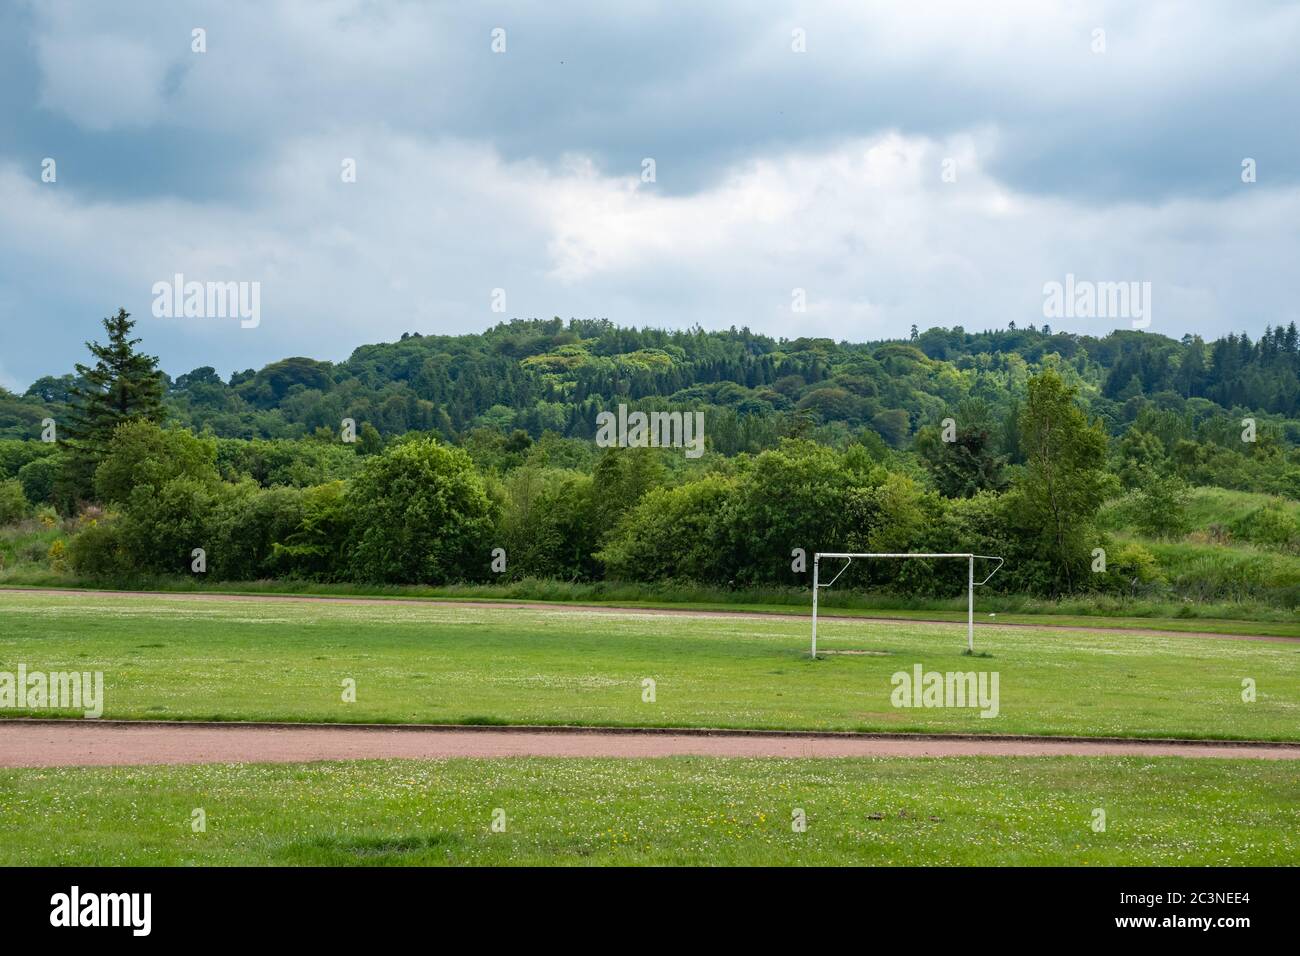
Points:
[(122, 385)]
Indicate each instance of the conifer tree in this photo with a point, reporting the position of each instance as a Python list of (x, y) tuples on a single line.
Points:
[(123, 385)]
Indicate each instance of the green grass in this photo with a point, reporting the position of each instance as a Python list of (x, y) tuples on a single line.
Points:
[(172, 658), (25, 547), (1212, 570), (1222, 506), (950, 811), (1241, 547), (1206, 506), (1241, 617)]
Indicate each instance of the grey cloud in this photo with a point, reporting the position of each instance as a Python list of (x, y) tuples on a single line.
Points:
[(519, 171)]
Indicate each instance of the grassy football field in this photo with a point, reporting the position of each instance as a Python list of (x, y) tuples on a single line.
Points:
[(221, 659), (231, 660), (989, 811)]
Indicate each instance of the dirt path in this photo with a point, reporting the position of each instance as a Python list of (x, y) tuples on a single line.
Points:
[(612, 609), (86, 743)]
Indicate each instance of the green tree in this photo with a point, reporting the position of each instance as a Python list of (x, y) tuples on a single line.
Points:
[(369, 441), (968, 464), (1160, 506), (123, 385), (246, 525), (1054, 503), (13, 503), (39, 478), (143, 455), (892, 425), (529, 526), (316, 548), (423, 516), (792, 497), (568, 527), (1141, 455), (671, 535), (621, 477), (159, 530)]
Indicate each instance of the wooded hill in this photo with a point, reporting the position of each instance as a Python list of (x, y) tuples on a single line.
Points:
[(553, 375)]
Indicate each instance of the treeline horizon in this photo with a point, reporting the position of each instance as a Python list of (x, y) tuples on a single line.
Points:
[(552, 375), (998, 452)]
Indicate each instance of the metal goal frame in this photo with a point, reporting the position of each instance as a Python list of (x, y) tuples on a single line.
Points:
[(971, 583)]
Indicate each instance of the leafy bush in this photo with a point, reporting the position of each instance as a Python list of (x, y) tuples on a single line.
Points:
[(315, 549), (1159, 506), (159, 531), (1271, 526), (245, 526), (40, 479), (423, 516), (98, 551), (672, 535), (145, 457), (1130, 569), (13, 503)]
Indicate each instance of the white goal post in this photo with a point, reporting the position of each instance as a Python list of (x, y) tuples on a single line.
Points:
[(971, 583)]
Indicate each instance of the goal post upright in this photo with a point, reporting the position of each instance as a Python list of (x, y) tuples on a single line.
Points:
[(970, 604), (971, 583), (816, 587)]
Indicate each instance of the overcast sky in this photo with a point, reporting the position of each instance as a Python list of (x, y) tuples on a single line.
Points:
[(522, 170)]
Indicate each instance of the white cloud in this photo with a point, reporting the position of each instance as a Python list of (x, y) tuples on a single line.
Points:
[(776, 170), (867, 227), (103, 81)]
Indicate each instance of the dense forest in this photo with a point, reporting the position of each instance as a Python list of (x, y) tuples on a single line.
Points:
[(415, 461), (552, 375)]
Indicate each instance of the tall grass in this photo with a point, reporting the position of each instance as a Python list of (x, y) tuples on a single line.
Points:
[(25, 547), (1208, 572)]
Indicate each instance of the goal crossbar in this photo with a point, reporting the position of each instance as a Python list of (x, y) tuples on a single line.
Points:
[(848, 556)]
